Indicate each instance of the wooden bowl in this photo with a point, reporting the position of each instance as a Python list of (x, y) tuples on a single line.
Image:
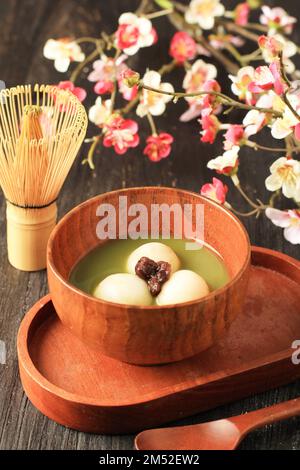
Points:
[(155, 334)]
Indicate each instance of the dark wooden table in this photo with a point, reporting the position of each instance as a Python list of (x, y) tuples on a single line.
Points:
[(25, 25)]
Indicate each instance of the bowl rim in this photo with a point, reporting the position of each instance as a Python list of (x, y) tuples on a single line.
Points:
[(214, 293)]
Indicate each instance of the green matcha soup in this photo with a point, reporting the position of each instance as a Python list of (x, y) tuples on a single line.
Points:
[(111, 257)]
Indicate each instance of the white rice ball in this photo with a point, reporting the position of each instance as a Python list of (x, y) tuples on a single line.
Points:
[(124, 288), (183, 286)]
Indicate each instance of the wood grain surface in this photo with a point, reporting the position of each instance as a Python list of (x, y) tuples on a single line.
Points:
[(25, 25)]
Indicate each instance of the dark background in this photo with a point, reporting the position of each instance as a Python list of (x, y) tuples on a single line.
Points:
[(25, 25)]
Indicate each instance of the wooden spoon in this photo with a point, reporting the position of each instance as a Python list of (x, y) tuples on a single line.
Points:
[(224, 434)]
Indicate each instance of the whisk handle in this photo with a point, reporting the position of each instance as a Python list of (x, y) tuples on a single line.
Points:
[(28, 231)]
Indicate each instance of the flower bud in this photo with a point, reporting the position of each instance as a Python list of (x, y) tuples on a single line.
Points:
[(130, 78)]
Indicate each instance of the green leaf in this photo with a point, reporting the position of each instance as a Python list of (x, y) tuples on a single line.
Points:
[(165, 4)]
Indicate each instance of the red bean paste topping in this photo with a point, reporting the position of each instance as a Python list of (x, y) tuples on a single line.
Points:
[(155, 274)]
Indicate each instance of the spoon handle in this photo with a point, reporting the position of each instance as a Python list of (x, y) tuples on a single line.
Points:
[(269, 415)]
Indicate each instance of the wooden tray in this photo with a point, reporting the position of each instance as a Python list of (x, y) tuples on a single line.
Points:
[(85, 390)]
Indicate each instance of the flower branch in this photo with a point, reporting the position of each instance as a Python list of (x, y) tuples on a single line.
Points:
[(268, 91), (225, 100)]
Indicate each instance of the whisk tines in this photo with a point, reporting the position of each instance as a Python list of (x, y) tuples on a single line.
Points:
[(41, 130), (40, 134)]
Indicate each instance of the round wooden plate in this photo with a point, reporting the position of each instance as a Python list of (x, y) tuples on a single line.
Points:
[(84, 390)]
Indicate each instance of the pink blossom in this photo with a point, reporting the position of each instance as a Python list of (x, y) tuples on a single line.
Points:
[(121, 134), (279, 85), (267, 78), (226, 164), (63, 51), (297, 131), (288, 122), (199, 78), (128, 93), (205, 104), (134, 32), (289, 221), (216, 191), (103, 87), (80, 93), (277, 19), (210, 102), (285, 175), (240, 84), (242, 12), (270, 46), (204, 12), (274, 46), (210, 125), (234, 136), (100, 112), (197, 75), (158, 146), (182, 47), (254, 120), (105, 72), (127, 36), (150, 101), (220, 40)]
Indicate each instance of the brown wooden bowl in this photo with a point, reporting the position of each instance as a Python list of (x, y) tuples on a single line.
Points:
[(155, 334)]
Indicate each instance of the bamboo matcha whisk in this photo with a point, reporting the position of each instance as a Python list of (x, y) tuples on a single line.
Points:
[(41, 130)]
